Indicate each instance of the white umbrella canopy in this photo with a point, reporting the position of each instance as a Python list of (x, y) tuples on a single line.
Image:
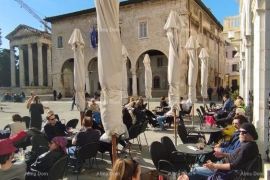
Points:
[(110, 66), (173, 30), (77, 44), (191, 46), (147, 76), (204, 71), (124, 73)]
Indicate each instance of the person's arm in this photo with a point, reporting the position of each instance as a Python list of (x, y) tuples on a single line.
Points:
[(29, 101), (213, 166)]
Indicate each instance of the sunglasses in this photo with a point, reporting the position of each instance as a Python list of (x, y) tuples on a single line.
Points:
[(243, 132)]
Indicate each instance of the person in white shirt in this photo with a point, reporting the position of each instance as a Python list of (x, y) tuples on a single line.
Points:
[(17, 125)]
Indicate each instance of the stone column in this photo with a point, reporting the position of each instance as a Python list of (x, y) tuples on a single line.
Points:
[(249, 71), (40, 65), (87, 84), (30, 65), (242, 76), (134, 82), (12, 67), (261, 74), (21, 66), (49, 65)]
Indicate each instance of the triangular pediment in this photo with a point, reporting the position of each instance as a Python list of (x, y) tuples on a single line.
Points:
[(24, 31)]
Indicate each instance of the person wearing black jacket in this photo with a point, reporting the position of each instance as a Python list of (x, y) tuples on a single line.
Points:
[(40, 168), (54, 127)]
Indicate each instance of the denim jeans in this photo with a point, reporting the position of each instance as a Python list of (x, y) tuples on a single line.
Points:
[(199, 173), (161, 120)]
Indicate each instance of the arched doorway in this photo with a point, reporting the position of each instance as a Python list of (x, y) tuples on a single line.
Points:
[(159, 66), (67, 77), (93, 76)]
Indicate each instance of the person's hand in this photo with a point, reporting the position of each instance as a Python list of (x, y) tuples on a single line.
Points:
[(217, 145), (217, 149), (218, 154), (209, 164), (183, 176)]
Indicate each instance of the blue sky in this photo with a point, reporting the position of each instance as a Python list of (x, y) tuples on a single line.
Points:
[(12, 14)]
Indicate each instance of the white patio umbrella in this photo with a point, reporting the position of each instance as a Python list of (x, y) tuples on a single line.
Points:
[(204, 72), (77, 44), (173, 29), (191, 46), (110, 66), (147, 77), (124, 75)]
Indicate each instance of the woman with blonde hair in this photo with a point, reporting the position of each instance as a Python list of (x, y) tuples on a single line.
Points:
[(125, 169)]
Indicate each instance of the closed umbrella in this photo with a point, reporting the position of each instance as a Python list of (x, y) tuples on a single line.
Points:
[(147, 77), (110, 67), (191, 46), (124, 74), (173, 30), (77, 44), (204, 72)]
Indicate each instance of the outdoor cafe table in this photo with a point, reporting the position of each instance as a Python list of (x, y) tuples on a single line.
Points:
[(206, 130), (191, 149)]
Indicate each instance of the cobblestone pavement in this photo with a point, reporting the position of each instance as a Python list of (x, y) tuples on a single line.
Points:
[(63, 109)]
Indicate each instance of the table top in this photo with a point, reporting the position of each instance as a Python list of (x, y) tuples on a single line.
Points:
[(193, 150), (206, 130)]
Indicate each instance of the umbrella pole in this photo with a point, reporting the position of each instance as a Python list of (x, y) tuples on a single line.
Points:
[(81, 116), (148, 104), (114, 151), (193, 114), (174, 119)]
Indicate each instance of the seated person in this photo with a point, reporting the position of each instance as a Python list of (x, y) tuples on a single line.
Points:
[(163, 103), (161, 119), (53, 127), (40, 168), (9, 170), (124, 169), (238, 160), (185, 106), (226, 108), (234, 143), (140, 103), (86, 135), (17, 125)]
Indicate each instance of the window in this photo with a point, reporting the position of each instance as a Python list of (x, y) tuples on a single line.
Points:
[(235, 68), (234, 53), (156, 82), (159, 62), (59, 42), (143, 29)]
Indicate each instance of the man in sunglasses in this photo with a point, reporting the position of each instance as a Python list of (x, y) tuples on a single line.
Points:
[(238, 160), (53, 127)]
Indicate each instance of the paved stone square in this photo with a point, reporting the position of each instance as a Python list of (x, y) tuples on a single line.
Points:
[(63, 109)]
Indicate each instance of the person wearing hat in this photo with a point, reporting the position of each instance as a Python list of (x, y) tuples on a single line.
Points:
[(40, 168), (53, 127), (238, 160), (9, 170)]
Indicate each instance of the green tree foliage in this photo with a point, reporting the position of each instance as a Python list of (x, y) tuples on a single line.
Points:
[(4, 67)]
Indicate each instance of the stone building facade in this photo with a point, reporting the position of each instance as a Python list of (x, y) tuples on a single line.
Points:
[(141, 26), (231, 34), (34, 59)]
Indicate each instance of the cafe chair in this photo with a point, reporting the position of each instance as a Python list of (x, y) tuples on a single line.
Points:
[(254, 169), (204, 112), (72, 123), (27, 120), (134, 131), (144, 126), (160, 158), (57, 171), (175, 157), (185, 136), (201, 118), (86, 152)]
